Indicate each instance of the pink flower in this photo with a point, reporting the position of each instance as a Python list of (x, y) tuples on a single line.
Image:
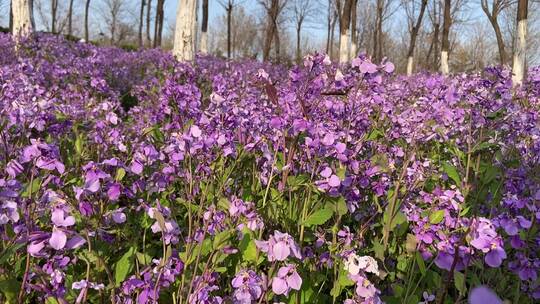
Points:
[(287, 278)]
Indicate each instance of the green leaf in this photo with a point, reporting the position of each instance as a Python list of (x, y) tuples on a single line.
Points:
[(319, 217), (31, 188), (79, 145), (51, 300), (452, 172), (436, 217), (120, 173), (341, 206), (221, 239), (124, 266), (144, 259), (459, 282), (10, 289), (248, 249), (421, 264), (374, 134)]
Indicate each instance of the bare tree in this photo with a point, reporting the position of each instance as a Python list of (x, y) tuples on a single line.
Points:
[(148, 18), (354, 30), (23, 19), (344, 28), (384, 9), (492, 14), (158, 26), (141, 22), (273, 9), (70, 18), (112, 13), (414, 28), (204, 28), (520, 52), (302, 12), (333, 16), (54, 10), (445, 38), (86, 11), (184, 34), (228, 6)]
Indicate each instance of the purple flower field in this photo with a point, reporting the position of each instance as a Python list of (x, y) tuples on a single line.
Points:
[(130, 177)]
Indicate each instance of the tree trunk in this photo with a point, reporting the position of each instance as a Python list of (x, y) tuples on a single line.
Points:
[(229, 17), (298, 40), (332, 31), (354, 34), (445, 38), (271, 29), (500, 41), (520, 53), (184, 34), (328, 26), (414, 34), (277, 42), (87, 7), (70, 18), (204, 28), (377, 36), (54, 9), (148, 17), (158, 24), (22, 17), (11, 16), (344, 26), (141, 22)]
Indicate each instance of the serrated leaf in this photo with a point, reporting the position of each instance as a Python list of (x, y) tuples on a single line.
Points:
[(319, 217), (436, 217), (452, 173), (124, 266)]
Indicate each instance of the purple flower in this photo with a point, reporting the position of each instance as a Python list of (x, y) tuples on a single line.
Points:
[(483, 295), (287, 278), (248, 287), (279, 247)]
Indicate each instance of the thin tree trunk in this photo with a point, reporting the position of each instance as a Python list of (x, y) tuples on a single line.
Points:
[(86, 9), (70, 18), (332, 31), (414, 34), (148, 18), (445, 38), (158, 24), (204, 28), (271, 29), (11, 16), (520, 53), (354, 34), (377, 36), (328, 26), (141, 22), (229, 17), (54, 9), (184, 34), (344, 27), (161, 18), (500, 41), (22, 17), (298, 40), (277, 42)]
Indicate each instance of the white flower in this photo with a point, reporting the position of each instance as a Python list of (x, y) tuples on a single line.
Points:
[(354, 264)]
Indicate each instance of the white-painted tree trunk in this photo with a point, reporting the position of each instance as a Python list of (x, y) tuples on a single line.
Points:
[(444, 63), (344, 47), (354, 50), (22, 17), (518, 68), (185, 30), (204, 43), (410, 61)]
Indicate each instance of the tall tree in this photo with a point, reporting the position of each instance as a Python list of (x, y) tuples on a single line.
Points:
[(354, 30), (158, 26), (414, 33), (344, 28), (54, 10), (302, 12), (204, 27), (23, 19), (184, 34), (228, 5), (445, 47), (273, 10), (377, 34), (148, 25), (492, 14), (435, 17), (141, 22), (86, 11), (112, 13), (70, 18), (520, 52)]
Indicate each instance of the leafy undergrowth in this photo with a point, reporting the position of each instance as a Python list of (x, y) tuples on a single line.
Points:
[(128, 177)]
